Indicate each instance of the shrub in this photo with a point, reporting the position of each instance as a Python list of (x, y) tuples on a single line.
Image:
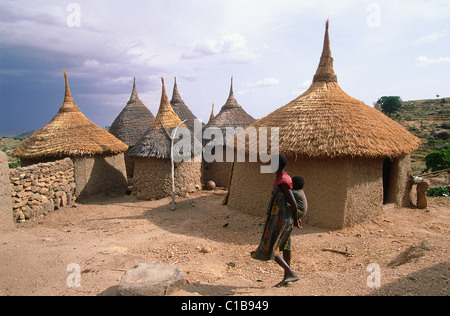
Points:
[(438, 160), (438, 191)]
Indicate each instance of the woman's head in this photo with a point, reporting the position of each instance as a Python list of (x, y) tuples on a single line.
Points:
[(282, 162)]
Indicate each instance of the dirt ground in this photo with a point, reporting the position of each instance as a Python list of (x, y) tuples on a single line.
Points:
[(109, 236)]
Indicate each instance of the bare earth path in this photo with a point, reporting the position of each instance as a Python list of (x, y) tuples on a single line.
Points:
[(107, 237)]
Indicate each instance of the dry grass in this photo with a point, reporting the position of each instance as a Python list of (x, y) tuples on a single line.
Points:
[(69, 133), (327, 122)]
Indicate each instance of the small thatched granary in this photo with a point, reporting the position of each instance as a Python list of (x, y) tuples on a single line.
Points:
[(353, 157), (97, 155), (231, 115), (131, 124), (181, 109), (152, 169)]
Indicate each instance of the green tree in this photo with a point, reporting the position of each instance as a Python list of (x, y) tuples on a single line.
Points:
[(390, 105)]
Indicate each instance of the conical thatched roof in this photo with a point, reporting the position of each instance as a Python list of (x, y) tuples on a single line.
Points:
[(326, 122), (156, 141), (231, 115), (69, 133), (181, 109), (134, 120)]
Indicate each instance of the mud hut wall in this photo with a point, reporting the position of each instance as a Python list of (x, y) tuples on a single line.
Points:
[(129, 164), (365, 190), (100, 174), (6, 218), (337, 195), (325, 188), (152, 178), (41, 188), (400, 183), (219, 172)]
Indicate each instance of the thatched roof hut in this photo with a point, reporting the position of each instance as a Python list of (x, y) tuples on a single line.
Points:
[(156, 141), (133, 121), (181, 109), (339, 144), (152, 155), (95, 151), (327, 122), (131, 124), (69, 134), (231, 115)]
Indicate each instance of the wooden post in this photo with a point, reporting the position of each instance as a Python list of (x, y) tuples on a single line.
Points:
[(172, 174)]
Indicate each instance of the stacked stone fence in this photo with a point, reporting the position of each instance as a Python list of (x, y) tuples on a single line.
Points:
[(39, 189)]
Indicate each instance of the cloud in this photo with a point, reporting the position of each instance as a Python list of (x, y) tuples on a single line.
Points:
[(430, 38), (424, 61), (231, 47), (266, 82)]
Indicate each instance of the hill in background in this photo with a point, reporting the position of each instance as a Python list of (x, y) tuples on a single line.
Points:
[(421, 118)]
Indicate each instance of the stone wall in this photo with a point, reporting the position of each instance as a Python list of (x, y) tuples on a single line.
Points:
[(41, 188), (152, 178)]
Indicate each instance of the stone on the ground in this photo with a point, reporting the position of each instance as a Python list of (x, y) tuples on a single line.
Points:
[(151, 279)]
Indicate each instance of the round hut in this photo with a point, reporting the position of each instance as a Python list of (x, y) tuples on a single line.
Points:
[(152, 153), (181, 109), (97, 155), (353, 157), (231, 115), (131, 124)]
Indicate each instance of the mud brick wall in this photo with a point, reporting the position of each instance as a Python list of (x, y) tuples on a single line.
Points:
[(6, 219), (41, 188)]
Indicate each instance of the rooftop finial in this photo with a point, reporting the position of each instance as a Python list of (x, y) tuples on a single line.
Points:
[(212, 113), (231, 88), (67, 94), (134, 94), (325, 71), (176, 97)]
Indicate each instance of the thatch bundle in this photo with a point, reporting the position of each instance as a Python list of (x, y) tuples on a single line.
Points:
[(327, 122), (69, 133), (133, 121), (156, 142), (231, 115), (181, 109)]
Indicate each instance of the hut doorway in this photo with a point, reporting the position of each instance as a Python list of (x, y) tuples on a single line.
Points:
[(387, 168)]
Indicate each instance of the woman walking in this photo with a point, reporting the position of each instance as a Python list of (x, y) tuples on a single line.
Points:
[(281, 219)]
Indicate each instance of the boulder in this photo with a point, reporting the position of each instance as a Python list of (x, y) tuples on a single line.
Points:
[(151, 279), (441, 134)]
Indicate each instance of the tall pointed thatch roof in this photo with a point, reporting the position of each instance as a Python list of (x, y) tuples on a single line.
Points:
[(133, 121), (156, 141), (69, 133), (327, 122), (231, 115), (181, 109)]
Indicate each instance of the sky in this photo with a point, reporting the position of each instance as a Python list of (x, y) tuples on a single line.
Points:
[(270, 47)]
